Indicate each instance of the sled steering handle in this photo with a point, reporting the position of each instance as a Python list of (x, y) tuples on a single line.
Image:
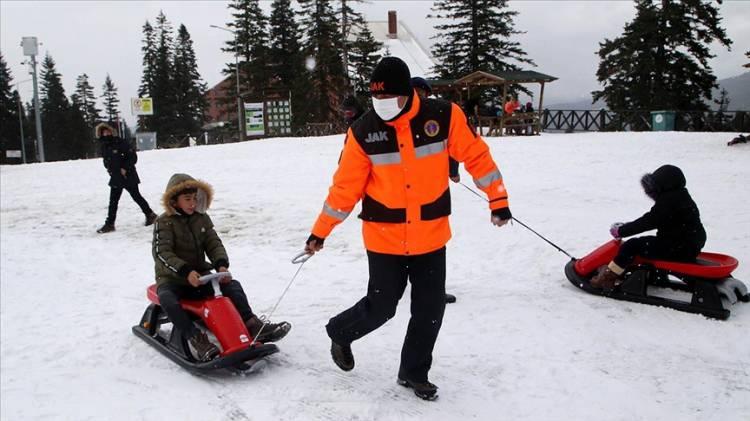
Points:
[(213, 278)]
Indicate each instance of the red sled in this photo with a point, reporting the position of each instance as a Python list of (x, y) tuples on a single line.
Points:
[(217, 315), (708, 280)]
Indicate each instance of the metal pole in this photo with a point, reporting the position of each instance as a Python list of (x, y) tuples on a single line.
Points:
[(237, 82), (20, 124), (37, 112)]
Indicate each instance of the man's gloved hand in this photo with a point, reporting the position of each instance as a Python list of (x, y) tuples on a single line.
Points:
[(614, 230), (313, 244), (501, 217)]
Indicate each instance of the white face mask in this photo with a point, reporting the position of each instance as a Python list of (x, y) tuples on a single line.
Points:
[(386, 108)]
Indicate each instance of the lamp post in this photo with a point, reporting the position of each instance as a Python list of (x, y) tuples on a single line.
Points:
[(30, 48), (237, 76)]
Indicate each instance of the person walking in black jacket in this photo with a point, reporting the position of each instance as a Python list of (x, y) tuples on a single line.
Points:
[(680, 234), (119, 159)]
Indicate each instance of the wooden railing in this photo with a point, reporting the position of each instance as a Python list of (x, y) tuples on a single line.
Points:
[(640, 120)]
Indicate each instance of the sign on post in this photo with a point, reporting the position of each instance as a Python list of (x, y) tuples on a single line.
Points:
[(13, 153), (141, 106), (254, 124)]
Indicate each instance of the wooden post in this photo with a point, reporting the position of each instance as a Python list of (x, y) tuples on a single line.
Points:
[(502, 104), (540, 110)]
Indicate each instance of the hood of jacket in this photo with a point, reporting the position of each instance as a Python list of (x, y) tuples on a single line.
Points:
[(102, 126), (179, 182), (665, 178)]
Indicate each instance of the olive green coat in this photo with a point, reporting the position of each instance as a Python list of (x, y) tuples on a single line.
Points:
[(182, 242)]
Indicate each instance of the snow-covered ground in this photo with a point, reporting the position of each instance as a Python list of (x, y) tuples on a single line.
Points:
[(521, 343)]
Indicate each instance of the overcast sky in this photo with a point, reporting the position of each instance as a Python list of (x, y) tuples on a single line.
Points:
[(100, 37)]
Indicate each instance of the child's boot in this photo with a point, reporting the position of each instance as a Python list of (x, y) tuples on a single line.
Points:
[(107, 227), (203, 349), (270, 332), (605, 279)]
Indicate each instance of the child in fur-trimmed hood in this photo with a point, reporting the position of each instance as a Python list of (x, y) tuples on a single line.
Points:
[(184, 236)]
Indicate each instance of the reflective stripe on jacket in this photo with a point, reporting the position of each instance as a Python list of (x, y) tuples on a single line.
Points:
[(399, 170)]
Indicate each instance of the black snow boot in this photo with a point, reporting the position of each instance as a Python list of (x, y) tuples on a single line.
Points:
[(424, 390), (450, 298), (106, 228), (342, 356), (203, 349)]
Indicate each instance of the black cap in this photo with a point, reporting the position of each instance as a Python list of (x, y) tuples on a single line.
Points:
[(391, 77), (421, 83)]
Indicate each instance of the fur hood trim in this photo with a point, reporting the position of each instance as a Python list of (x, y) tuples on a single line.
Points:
[(102, 126), (179, 182)]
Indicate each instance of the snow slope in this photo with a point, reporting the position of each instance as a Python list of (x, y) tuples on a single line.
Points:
[(521, 343)]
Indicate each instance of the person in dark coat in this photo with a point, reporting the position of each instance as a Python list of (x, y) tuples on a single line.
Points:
[(119, 159), (680, 235), (351, 110)]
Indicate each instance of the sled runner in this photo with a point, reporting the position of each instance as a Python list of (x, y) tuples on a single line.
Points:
[(239, 352), (709, 281)]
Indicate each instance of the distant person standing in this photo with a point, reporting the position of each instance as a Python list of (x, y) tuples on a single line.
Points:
[(119, 160)]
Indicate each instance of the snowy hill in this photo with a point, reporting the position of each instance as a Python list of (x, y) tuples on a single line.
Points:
[(521, 343)]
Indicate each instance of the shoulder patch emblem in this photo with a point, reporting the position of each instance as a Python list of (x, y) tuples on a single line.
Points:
[(431, 128)]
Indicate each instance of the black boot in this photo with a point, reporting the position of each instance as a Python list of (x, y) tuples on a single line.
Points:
[(203, 349), (107, 227), (342, 356), (450, 298), (424, 390)]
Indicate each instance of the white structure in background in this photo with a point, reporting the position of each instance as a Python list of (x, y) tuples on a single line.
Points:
[(399, 42)]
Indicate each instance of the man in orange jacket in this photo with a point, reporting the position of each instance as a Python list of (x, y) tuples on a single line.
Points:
[(395, 160)]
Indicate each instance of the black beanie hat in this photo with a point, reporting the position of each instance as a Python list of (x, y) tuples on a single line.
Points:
[(391, 77)]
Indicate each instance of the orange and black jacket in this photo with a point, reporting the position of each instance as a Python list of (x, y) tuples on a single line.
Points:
[(399, 169)]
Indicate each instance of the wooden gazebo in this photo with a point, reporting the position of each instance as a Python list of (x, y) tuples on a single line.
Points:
[(483, 80)]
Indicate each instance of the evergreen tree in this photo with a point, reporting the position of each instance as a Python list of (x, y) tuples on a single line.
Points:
[(148, 49), (364, 58), (661, 59), (323, 45), (111, 102), (87, 101), (285, 59), (81, 132), (10, 136), (250, 41), (476, 37), (55, 110), (351, 23), (189, 89), (163, 91)]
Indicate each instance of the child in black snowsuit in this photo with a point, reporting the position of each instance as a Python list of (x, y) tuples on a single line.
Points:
[(680, 235)]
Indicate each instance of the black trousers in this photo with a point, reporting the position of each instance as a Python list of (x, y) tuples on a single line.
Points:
[(115, 193), (652, 247), (170, 295), (388, 276)]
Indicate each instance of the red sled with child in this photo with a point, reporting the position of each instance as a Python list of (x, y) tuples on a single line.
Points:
[(240, 352), (635, 269), (708, 280)]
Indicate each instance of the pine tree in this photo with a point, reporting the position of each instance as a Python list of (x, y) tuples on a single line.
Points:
[(55, 110), (285, 59), (10, 136), (351, 23), (190, 102), (250, 41), (80, 131), (87, 100), (111, 102), (323, 45), (163, 91), (364, 58), (477, 37), (661, 59), (148, 49)]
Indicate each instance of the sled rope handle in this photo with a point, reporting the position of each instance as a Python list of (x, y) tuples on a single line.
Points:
[(298, 259), (522, 224)]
